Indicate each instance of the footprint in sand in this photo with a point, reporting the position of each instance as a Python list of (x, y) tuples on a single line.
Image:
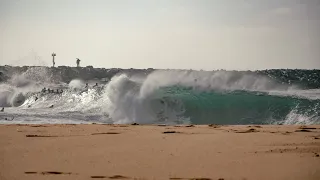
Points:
[(306, 127), (256, 126), (170, 132), (214, 125), (105, 133), (247, 131), (110, 177), (98, 177), (302, 130), (193, 179), (48, 173), (33, 135)]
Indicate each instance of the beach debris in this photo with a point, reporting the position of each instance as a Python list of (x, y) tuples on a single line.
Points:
[(134, 124)]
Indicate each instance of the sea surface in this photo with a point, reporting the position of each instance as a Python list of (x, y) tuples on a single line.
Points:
[(163, 97)]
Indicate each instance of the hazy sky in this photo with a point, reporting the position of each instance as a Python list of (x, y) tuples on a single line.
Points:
[(187, 34)]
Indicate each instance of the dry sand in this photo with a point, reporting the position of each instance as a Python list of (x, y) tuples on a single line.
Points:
[(57, 152)]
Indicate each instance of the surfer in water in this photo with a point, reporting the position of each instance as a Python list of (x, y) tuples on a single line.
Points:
[(86, 87), (7, 119), (2, 110), (96, 85)]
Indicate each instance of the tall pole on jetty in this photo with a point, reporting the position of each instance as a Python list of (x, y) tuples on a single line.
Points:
[(53, 62)]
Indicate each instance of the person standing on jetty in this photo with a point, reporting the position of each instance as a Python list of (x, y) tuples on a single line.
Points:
[(78, 62)]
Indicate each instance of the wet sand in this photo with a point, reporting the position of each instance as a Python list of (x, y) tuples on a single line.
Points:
[(60, 152)]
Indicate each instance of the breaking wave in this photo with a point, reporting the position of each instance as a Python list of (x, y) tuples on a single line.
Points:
[(162, 96)]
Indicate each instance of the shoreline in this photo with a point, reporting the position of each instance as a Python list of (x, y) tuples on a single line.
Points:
[(109, 151)]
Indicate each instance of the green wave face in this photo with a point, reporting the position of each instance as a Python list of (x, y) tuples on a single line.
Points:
[(236, 107)]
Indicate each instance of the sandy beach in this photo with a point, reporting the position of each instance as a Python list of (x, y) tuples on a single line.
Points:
[(159, 152)]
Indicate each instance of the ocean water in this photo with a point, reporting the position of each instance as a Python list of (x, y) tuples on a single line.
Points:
[(164, 97)]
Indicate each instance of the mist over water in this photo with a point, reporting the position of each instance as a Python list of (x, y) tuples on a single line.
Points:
[(162, 97)]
